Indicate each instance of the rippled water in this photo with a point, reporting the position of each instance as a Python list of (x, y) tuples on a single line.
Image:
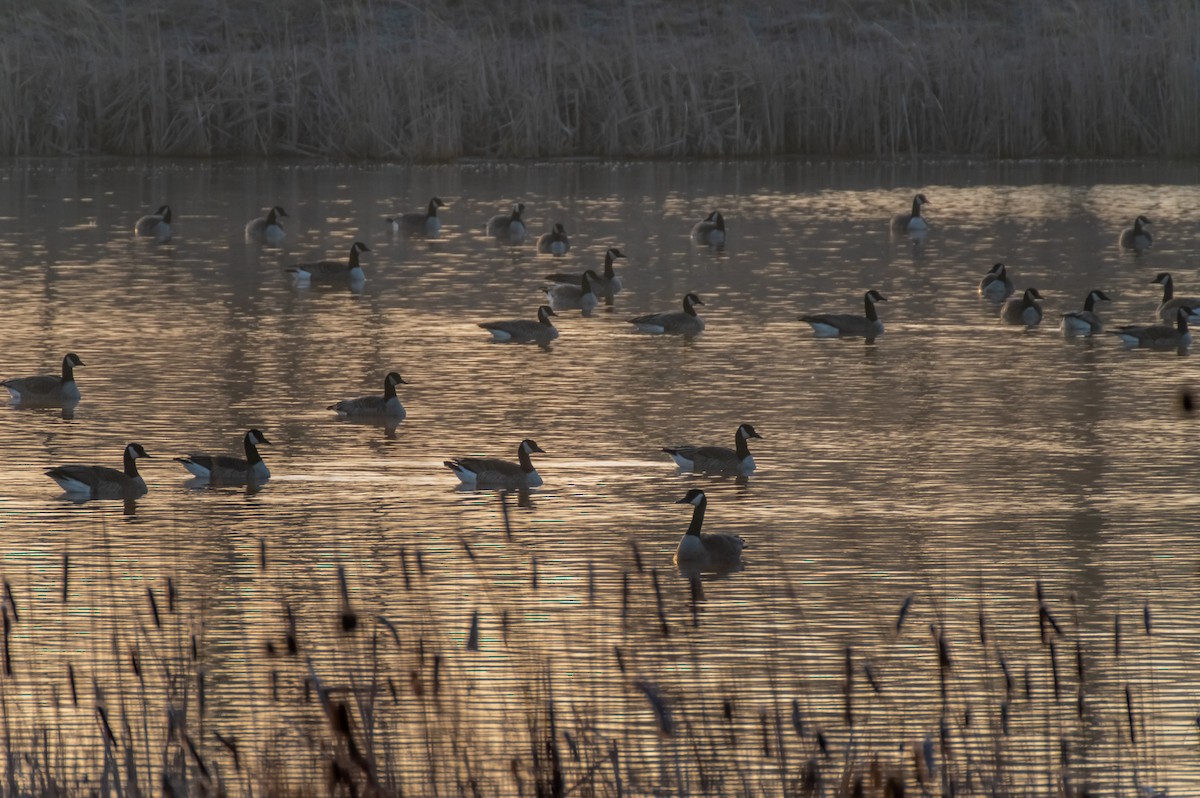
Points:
[(954, 460)]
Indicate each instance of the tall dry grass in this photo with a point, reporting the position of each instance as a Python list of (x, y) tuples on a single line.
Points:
[(432, 80)]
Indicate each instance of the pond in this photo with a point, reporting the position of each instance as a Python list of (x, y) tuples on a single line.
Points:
[(1026, 497)]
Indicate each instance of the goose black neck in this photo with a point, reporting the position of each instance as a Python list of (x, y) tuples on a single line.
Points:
[(698, 517), (353, 257), (720, 222), (1089, 304), (68, 371), (870, 305), (608, 266), (544, 318), (432, 212), (271, 217), (389, 390), (916, 212), (130, 463), (1168, 289), (1182, 324), (252, 455), (166, 217), (1027, 301), (523, 457), (688, 307), (742, 445)]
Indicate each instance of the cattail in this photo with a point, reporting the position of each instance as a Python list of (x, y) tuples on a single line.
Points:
[(620, 656), (697, 594), (637, 556), (135, 663), (201, 696), (1129, 715), (293, 647), (191, 747), (473, 634), (12, 602), (1008, 679), (591, 590), (8, 669), (1146, 617), (765, 730), (1054, 669), (1004, 717), (170, 595), (102, 714), (262, 554), (823, 744), (797, 719), (349, 618), (871, 680), (533, 573), (983, 634), (66, 576), (662, 712), (71, 681), (1117, 636), (467, 548), (153, 607), (1187, 402), (274, 685), (391, 627), (727, 709), (904, 608), (504, 625), (504, 516), (658, 603), (848, 689), (624, 598), (437, 675), (230, 744), (421, 563), (404, 568)]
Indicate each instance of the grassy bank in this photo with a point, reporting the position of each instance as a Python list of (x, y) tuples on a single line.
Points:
[(438, 79)]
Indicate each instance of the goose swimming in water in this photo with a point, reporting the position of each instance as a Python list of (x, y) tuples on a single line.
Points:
[(46, 389), (706, 552), (332, 270), (565, 296), (484, 472), (718, 459), (711, 230), (1137, 238), (508, 228), (555, 242), (605, 284), (525, 331), (687, 322), (266, 229), (102, 482), (1023, 310), (375, 406), (996, 284), (1159, 336), (155, 225), (419, 223), (1170, 303), (848, 325), (912, 222), (1085, 322), (221, 469)]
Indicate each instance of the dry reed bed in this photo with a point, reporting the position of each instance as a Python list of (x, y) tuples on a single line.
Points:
[(627, 695), (435, 80)]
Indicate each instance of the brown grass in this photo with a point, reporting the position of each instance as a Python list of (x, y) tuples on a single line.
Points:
[(433, 80)]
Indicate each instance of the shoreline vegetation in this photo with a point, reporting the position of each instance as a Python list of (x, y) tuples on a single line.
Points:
[(430, 81)]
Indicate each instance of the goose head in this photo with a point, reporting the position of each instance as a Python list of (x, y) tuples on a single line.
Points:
[(529, 446), (1030, 295), (874, 296), (71, 360), (1141, 221), (359, 246), (544, 314), (1162, 278), (255, 437), (393, 378), (689, 303), (747, 431), (134, 450), (694, 497)]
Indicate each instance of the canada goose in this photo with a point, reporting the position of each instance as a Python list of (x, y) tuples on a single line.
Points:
[(1159, 336), (386, 406), (1023, 310), (47, 389), (564, 296), (1087, 321), (1170, 302), (508, 228), (718, 459), (911, 222), (222, 469), (673, 323), (995, 285), (331, 270), (155, 225), (419, 224), (711, 230), (608, 284), (525, 331), (101, 482), (1137, 238), (555, 242), (266, 229), (847, 325), (699, 551), (487, 472)]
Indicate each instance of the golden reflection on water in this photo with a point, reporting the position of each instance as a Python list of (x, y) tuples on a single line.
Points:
[(953, 460)]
